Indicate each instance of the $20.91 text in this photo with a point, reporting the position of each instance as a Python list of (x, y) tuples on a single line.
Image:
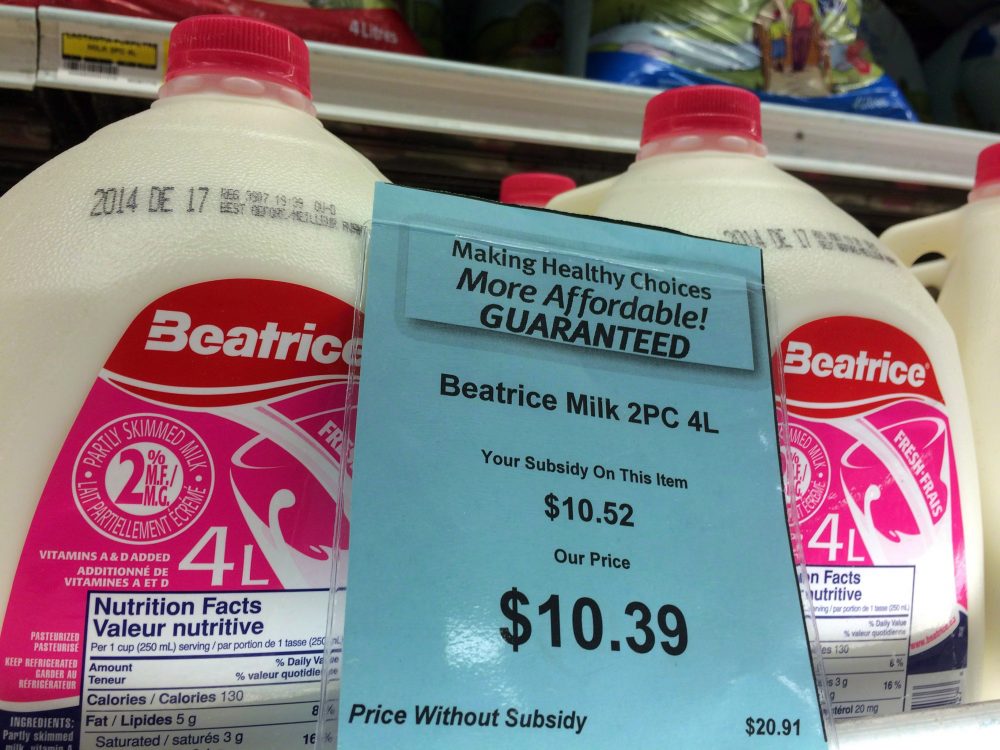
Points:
[(760, 727), (588, 624)]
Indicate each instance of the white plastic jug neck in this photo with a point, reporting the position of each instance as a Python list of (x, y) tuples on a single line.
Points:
[(990, 190), (702, 142), (238, 86)]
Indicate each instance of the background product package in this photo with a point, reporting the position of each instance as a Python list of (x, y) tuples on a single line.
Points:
[(426, 19), (891, 45), (377, 24), (526, 34), (790, 51), (962, 74)]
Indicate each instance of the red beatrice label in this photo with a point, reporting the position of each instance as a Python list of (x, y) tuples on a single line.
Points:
[(207, 457), (869, 459)]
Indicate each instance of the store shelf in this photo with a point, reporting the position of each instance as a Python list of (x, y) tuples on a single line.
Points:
[(18, 47), (360, 86), (107, 54)]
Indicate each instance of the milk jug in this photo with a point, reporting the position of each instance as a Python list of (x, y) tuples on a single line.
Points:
[(879, 447), (533, 188), (177, 309), (931, 274), (967, 238)]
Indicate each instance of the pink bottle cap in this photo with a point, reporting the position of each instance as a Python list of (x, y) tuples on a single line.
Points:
[(702, 109), (988, 166), (533, 188), (230, 45)]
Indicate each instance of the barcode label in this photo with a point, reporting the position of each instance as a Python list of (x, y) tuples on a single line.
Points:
[(95, 67), (936, 694)]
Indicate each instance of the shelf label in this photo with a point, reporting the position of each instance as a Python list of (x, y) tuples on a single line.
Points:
[(87, 48), (116, 55), (567, 527)]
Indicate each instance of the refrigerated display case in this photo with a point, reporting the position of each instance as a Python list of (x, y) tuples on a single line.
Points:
[(460, 127)]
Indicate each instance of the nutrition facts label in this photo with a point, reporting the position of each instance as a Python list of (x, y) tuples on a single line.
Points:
[(203, 669), (863, 617)]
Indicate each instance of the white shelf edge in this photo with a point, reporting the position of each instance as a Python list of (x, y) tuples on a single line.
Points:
[(973, 726), (448, 97), (872, 148), (416, 93), (18, 47)]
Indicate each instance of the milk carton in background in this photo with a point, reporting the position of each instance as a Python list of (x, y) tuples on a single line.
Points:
[(969, 293), (879, 446), (533, 188), (932, 274), (177, 312)]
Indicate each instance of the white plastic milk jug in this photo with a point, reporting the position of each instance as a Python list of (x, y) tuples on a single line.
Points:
[(177, 308), (879, 447), (969, 293)]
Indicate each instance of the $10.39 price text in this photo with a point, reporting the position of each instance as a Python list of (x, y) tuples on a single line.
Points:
[(587, 624)]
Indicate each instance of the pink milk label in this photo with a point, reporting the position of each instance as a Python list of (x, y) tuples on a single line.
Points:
[(204, 464), (870, 464)]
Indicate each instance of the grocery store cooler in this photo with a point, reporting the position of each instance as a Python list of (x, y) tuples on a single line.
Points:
[(431, 123)]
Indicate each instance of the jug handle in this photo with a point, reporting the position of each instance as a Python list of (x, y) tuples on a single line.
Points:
[(931, 273), (932, 234), (584, 200)]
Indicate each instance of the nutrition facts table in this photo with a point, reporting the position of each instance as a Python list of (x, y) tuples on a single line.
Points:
[(203, 669), (863, 617)]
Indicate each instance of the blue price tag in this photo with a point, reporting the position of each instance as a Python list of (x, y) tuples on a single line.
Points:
[(567, 524)]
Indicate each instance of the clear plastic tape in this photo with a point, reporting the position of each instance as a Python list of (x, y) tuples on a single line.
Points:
[(794, 529), (330, 692)]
